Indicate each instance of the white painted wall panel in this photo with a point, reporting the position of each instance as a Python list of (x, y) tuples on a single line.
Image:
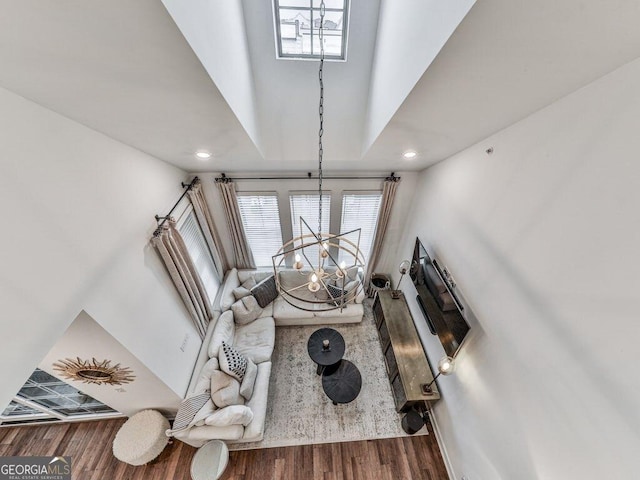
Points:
[(542, 238), (78, 213)]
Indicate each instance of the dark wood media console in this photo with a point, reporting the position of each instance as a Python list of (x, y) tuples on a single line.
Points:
[(407, 364)]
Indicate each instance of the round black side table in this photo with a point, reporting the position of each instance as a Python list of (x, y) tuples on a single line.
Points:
[(325, 347), (412, 422), (342, 382)]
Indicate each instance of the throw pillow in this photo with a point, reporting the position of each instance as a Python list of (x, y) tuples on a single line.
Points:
[(204, 380), (336, 291), (223, 332), (192, 409), (352, 273), (246, 389), (232, 362), (246, 310), (245, 289), (240, 292), (225, 390), (266, 291), (231, 415)]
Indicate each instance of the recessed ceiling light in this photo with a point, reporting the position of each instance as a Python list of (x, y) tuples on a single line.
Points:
[(203, 155), (409, 154)]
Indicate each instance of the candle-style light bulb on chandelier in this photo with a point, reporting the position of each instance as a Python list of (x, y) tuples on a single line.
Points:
[(331, 263)]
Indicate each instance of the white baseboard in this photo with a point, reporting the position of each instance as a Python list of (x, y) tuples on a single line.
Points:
[(443, 449)]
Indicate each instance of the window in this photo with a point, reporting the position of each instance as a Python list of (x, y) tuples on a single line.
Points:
[(199, 252), (306, 205), (261, 221), (360, 210), (44, 398), (297, 25)]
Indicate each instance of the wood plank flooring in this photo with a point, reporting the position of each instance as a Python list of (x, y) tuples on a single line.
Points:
[(89, 445)]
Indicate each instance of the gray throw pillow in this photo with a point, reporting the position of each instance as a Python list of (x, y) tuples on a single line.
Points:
[(246, 310), (266, 291)]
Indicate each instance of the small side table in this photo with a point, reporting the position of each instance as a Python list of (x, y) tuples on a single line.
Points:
[(210, 461), (342, 382), (325, 347)]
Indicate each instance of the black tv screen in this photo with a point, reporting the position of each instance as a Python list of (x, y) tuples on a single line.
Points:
[(438, 301)]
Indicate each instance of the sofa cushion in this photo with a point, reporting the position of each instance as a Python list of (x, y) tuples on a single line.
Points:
[(246, 310), (231, 415), (258, 404), (225, 390), (204, 378), (232, 361), (223, 332), (230, 283), (246, 388), (244, 275), (282, 310), (266, 291), (255, 340)]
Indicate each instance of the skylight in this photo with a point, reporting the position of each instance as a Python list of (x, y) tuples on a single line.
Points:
[(297, 25)]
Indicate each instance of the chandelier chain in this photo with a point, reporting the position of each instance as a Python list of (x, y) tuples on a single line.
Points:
[(321, 115)]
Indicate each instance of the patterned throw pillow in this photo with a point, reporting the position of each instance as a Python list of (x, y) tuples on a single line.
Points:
[(232, 362), (335, 292)]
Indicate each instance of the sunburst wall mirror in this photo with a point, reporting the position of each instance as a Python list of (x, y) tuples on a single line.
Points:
[(100, 373)]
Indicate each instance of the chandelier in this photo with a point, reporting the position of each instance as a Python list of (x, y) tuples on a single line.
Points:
[(318, 271)]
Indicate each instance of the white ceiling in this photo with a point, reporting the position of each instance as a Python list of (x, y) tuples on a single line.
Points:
[(124, 68)]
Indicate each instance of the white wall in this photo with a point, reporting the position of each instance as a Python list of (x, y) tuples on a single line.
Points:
[(400, 211), (86, 339), (216, 33), (410, 35), (78, 214), (542, 237)]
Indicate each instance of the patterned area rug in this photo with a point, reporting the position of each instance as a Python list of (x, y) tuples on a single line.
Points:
[(299, 412)]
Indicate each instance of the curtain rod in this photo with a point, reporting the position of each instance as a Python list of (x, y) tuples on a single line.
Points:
[(187, 186), (224, 179)]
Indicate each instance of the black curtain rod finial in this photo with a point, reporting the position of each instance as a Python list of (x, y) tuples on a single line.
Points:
[(223, 179)]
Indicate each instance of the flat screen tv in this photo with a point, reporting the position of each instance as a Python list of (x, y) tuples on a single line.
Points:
[(438, 301)]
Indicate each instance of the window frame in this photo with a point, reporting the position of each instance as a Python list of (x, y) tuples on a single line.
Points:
[(279, 212), (345, 193), (311, 56), (186, 213)]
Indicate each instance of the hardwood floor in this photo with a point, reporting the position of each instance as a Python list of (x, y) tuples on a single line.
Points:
[(89, 445)]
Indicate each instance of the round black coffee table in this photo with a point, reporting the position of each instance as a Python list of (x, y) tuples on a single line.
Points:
[(325, 347), (342, 382)]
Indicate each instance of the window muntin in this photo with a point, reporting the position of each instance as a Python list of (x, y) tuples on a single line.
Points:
[(261, 221), (359, 210), (297, 25), (44, 397)]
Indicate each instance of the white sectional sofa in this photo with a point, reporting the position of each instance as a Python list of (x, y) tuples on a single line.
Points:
[(255, 339)]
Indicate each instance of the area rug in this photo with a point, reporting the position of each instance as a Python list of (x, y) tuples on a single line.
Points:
[(300, 413)]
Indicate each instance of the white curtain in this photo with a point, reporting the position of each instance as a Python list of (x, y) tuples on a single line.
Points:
[(209, 230), (241, 249), (386, 204), (173, 251)]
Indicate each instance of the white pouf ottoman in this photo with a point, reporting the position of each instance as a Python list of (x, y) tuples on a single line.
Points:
[(141, 438)]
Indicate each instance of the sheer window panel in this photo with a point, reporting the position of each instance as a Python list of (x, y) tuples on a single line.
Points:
[(261, 220), (359, 210)]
